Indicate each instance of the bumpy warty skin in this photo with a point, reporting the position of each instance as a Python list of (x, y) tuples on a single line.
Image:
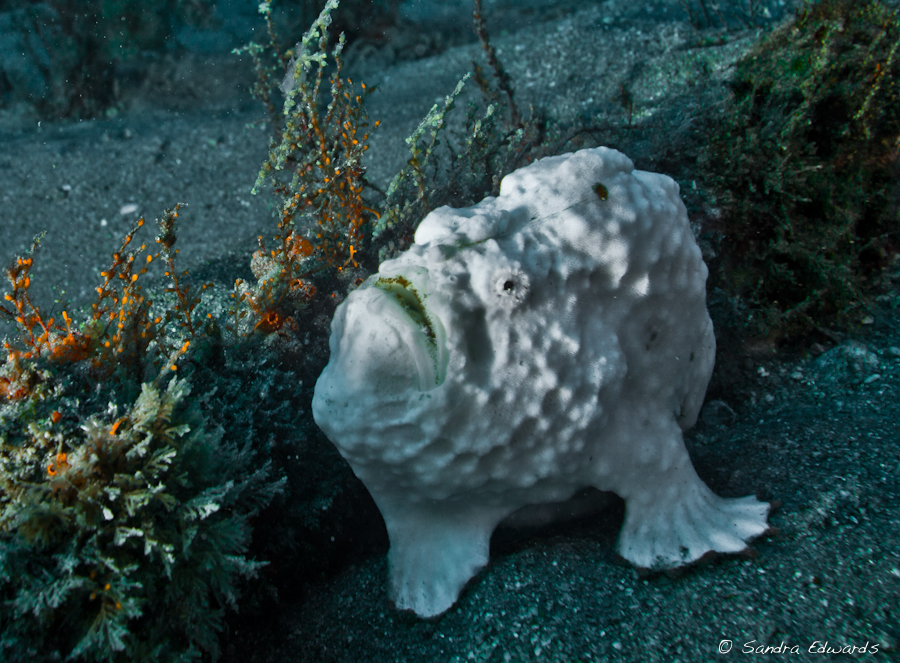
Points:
[(549, 339)]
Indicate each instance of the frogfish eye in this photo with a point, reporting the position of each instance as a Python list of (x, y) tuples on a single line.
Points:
[(511, 287)]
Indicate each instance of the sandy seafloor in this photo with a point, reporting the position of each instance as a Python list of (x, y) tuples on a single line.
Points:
[(819, 433), (822, 440)]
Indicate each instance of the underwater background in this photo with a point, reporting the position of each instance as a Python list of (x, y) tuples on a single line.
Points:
[(164, 492)]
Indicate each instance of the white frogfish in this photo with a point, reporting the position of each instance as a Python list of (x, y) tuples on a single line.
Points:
[(540, 342)]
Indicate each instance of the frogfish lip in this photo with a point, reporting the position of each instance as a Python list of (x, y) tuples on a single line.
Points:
[(397, 300)]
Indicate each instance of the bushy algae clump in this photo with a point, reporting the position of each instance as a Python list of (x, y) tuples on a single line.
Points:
[(805, 165), (124, 513)]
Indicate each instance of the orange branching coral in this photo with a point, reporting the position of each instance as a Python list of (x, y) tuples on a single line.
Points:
[(119, 329), (324, 218), (325, 154), (39, 335), (328, 178), (184, 307), (121, 314)]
